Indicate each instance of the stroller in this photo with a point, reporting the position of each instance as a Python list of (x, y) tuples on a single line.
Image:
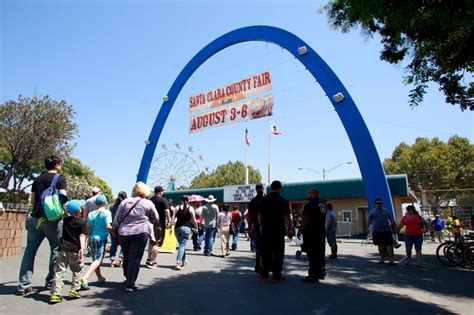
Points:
[(299, 242)]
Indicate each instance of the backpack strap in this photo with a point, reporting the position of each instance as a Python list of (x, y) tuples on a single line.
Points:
[(54, 182)]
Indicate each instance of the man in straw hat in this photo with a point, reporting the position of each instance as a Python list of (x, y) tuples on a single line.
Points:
[(209, 215)]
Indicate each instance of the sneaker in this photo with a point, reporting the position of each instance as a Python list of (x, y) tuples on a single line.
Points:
[(152, 265), (100, 281), (149, 262), (74, 294), (262, 279), (25, 292), (178, 267), (84, 284), (309, 279), (131, 288), (55, 299)]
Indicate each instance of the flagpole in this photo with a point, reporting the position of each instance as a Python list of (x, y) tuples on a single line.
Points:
[(269, 154), (246, 167)]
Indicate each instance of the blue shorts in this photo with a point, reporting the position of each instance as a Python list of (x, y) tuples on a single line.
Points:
[(331, 237), (97, 249), (410, 240)]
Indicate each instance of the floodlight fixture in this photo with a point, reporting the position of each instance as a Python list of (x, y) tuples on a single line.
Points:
[(339, 97), (303, 50)]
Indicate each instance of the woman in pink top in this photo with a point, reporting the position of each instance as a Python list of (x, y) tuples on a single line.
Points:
[(413, 233), (223, 222)]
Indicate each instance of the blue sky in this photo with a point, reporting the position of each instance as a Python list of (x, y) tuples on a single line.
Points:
[(115, 60)]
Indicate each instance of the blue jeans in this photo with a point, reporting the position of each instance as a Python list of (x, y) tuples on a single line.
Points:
[(198, 238), (182, 235), (235, 237), (210, 236), (113, 248), (52, 231)]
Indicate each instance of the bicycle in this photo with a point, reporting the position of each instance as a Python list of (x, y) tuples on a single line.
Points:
[(454, 254)]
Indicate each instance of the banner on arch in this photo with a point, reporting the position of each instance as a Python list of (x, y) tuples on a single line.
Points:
[(231, 93), (233, 113)]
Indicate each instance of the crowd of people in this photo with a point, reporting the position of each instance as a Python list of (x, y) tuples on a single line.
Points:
[(135, 221)]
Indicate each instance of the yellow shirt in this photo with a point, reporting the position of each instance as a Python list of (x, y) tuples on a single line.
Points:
[(457, 229)]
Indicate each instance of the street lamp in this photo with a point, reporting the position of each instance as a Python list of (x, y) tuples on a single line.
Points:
[(325, 171)]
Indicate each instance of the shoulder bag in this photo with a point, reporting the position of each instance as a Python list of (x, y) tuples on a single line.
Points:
[(114, 231)]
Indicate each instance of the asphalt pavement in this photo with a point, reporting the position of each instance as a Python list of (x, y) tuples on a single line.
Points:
[(356, 284)]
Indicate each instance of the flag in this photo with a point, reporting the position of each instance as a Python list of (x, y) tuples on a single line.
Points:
[(274, 129), (247, 139)]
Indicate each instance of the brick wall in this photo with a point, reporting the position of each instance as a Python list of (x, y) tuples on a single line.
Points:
[(12, 226)]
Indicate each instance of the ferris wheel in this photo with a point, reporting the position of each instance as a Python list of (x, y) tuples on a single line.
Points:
[(174, 168)]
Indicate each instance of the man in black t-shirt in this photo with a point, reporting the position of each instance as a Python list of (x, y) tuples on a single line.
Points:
[(273, 214), (254, 227), (314, 233), (39, 228), (163, 209)]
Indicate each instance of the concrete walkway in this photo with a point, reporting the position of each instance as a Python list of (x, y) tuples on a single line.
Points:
[(213, 285)]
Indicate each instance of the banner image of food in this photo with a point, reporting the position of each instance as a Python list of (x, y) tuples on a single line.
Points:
[(231, 93), (233, 113)]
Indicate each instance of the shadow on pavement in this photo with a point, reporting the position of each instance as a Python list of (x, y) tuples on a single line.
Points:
[(235, 290)]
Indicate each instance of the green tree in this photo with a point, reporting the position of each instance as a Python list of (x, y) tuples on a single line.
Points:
[(30, 130), (435, 165), (81, 179), (434, 36), (231, 173)]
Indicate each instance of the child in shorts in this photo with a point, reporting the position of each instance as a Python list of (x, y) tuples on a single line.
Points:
[(99, 223), (71, 246)]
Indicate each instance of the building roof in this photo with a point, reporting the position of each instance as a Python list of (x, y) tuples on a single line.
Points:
[(334, 188)]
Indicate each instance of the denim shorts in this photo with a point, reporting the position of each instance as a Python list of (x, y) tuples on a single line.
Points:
[(331, 237), (416, 240), (97, 249)]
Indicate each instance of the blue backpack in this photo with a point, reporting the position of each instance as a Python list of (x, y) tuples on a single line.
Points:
[(52, 207)]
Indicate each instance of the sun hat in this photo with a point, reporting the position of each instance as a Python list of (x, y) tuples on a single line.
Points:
[(210, 199), (101, 200), (96, 190), (74, 205)]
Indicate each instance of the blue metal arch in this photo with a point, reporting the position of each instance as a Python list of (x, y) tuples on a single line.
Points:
[(373, 175)]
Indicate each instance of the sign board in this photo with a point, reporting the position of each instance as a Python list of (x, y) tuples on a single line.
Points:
[(239, 193), (169, 243), (233, 113), (231, 93)]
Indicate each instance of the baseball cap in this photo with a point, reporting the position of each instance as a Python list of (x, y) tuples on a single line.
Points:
[(101, 200), (96, 190), (74, 205)]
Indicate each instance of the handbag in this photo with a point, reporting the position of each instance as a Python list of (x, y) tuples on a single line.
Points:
[(114, 231)]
